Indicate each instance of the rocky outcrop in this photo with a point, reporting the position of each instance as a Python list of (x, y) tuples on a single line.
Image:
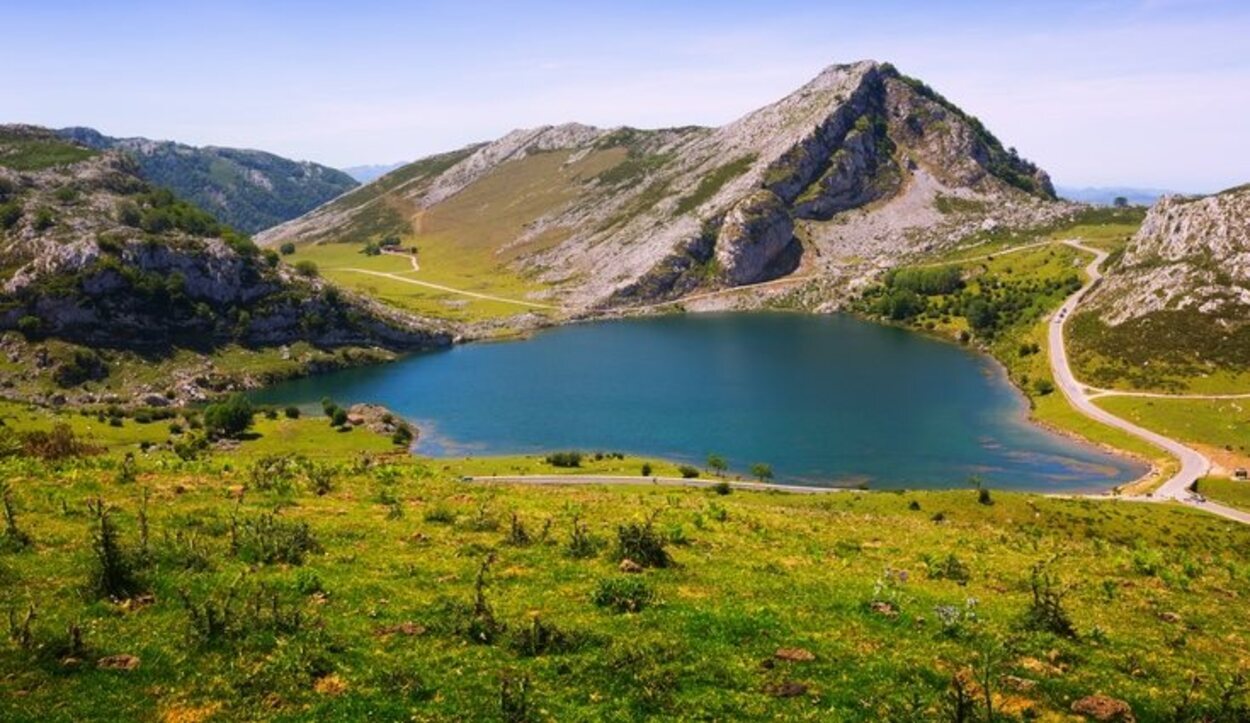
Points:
[(753, 235), (1191, 254), (102, 258)]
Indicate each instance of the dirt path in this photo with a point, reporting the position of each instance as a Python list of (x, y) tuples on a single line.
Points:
[(411, 257), (450, 290)]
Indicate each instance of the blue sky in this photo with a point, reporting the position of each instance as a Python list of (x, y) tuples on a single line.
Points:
[(1141, 92)]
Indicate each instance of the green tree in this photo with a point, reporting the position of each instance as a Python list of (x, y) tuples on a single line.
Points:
[(287, 248), (229, 418), (762, 472), (340, 417), (717, 464)]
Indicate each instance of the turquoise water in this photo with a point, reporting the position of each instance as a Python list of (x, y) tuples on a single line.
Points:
[(826, 400)]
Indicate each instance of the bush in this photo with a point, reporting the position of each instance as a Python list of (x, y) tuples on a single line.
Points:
[(641, 543), (339, 418), (646, 469), (582, 544), (286, 249), (57, 444), (268, 540), (29, 326), (688, 472), (948, 568), (623, 594), (722, 488), (114, 574), (229, 418), (291, 412), (1046, 611), (565, 459), (1042, 387), (307, 269)]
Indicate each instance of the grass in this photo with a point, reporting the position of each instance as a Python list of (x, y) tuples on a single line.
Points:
[(408, 567), (34, 154), (713, 182), (1235, 493), (471, 240), (1220, 426)]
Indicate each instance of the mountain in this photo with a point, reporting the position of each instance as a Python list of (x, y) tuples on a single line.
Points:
[(1177, 302), (245, 189), (858, 167), (93, 254), (365, 174), (1106, 196)]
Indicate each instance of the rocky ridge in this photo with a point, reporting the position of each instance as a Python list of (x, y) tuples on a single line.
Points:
[(859, 167)]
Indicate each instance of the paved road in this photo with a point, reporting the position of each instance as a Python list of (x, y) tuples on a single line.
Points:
[(1193, 464)]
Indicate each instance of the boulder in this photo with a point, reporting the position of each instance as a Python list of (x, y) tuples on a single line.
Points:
[(1104, 708)]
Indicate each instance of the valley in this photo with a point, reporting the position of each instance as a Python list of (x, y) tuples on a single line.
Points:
[(832, 411)]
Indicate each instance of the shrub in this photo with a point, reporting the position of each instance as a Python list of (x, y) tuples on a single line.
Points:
[(1046, 609), (307, 269), (229, 418), (641, 543), (722, 488), (441, 514), (646, 469), (1042, 387), (688, 472), (291, 412), (15, 538), (286, 249), (565, 459), (56, 444), (267, 540), (623, 594), (541, 638), (114, 574), (29, 326), (482, 626), (948, 568), (339, 418), (517, 534), (43, 220), (582, 544)]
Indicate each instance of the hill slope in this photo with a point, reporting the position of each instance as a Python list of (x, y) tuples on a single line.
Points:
[(854, 169), (249, 190), (1176, 303), (92, 254)]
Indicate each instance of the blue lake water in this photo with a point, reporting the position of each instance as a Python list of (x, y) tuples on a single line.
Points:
[(826, 400)]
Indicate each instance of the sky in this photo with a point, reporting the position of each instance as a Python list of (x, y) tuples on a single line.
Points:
[(1148, 93)]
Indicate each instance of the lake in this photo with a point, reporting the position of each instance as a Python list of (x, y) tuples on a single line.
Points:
[(826, 400)]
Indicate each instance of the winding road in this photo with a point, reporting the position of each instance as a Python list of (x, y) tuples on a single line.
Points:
[(1193, 464)]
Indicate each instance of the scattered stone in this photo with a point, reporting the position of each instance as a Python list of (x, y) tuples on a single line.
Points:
[(1020, 685), (786, 689), (1170, 617), (795, 655), (881, 607), (1103, 708), (118, 662), (629, 566)]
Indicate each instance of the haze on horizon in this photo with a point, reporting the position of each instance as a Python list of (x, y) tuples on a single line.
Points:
[(1149, 93)]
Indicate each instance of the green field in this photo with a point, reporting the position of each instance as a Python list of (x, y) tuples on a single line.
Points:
[(439, 265), (400, 592), (1231, 492)]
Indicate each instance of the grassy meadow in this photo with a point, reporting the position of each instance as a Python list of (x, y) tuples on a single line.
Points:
[(306, 573)]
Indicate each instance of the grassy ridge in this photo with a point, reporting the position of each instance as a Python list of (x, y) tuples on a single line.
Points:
[(377, 607)]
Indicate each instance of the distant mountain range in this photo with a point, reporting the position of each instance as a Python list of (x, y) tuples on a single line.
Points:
[(246, 189), (365, 174), (1106, 196)]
